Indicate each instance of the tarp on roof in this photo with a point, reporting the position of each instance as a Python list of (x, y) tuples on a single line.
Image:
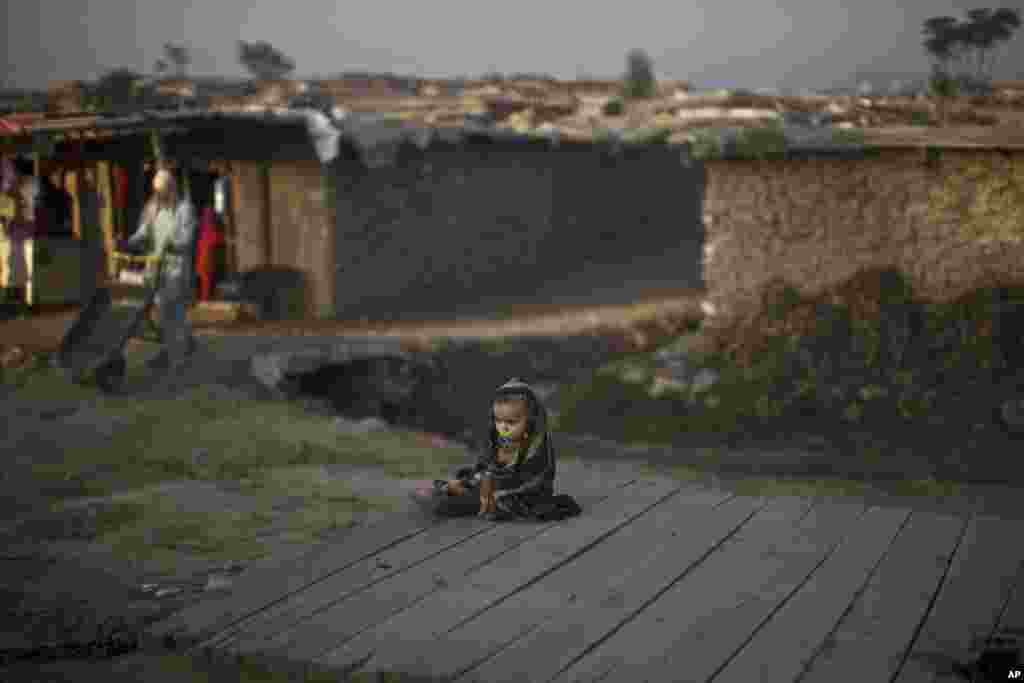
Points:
[(17, 124), (8, 127)]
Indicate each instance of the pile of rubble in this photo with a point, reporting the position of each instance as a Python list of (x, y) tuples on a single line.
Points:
[(593, 109), (685, 112)]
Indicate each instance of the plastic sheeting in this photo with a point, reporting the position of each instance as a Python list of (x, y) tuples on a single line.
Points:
[(377, 138)]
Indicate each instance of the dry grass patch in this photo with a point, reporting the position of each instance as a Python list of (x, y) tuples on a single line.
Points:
[(267, 451)]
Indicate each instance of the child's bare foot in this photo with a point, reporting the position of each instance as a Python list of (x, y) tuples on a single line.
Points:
[(487, 497), (487, 506)]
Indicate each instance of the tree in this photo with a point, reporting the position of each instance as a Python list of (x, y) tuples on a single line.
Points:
[(117, 89), (639, 79), (1001, 26), (528, 76), (942, 87), (965, 50), (939, 41), (263, 61), (174, 55)]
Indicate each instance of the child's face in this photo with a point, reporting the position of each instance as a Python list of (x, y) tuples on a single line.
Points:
[(510, 419)]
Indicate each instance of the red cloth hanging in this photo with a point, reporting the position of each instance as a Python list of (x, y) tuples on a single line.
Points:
[(210, 237), (120, 187)]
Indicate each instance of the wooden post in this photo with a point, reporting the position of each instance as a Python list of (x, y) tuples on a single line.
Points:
[(104, 186), (328, 307), (230, 232), (73, 184), (30, 245), (234, 234), (268, 237), (252, 216)]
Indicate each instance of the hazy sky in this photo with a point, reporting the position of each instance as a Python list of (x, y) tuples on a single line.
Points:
[(713, 43)]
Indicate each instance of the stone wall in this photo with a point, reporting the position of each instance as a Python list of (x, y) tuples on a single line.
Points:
[(816, 222), (463, 229)]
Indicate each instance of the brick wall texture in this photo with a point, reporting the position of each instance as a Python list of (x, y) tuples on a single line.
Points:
[(816, 222)]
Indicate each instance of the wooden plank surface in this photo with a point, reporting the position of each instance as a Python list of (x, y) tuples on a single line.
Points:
[(309, 624), (762, 583), (547, 625), (602, 607), (328, 630), (870, 640), (1001, 655), (275, 582), (977, 587), (265, 587), (494, 582), (358, 576), (711, 611), (781, 648)]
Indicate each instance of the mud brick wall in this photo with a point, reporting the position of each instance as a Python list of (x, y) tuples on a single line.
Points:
[(463, 229), (816, 222)]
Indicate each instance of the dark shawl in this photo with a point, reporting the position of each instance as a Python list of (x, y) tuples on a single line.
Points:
[(530, 480)]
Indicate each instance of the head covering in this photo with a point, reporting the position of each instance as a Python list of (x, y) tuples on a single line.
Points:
[(537, 419), (8, 176), (163, 179)]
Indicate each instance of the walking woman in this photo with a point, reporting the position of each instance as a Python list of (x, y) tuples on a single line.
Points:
[(168, 225)]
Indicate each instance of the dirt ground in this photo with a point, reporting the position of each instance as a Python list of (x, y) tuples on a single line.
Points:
[(59, 584)]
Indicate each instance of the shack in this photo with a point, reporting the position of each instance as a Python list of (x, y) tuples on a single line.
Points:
[(389, 221), (368, 216), (118, 155)]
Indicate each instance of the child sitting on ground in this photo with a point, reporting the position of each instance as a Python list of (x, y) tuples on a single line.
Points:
[(515, 474)]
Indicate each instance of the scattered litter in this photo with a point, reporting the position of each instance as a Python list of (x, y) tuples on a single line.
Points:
[(233, 568), (705, 379), (364, 426), (217, 582), (200, 456)]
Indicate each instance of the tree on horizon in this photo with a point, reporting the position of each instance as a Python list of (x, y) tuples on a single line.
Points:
[(639, 81), (176, 56), (966, 50), (264, 61), (117, 89)]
